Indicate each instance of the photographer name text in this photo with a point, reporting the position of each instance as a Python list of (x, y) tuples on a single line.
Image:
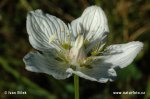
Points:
[(15, 92)]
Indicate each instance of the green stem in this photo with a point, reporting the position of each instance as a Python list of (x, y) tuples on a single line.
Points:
[(76, 86)]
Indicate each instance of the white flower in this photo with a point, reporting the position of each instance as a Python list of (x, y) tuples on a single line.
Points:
[(77, 48)]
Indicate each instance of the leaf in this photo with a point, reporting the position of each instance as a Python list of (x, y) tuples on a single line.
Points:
[(70, 88), (129, 71)]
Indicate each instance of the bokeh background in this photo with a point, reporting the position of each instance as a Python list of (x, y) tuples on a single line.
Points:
[(128, 20)]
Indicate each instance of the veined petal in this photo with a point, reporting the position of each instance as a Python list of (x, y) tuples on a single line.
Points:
[(97, 72), (45, 31), (121, 55), (45, 63), (92, 23), (76, 27), (102, 68)]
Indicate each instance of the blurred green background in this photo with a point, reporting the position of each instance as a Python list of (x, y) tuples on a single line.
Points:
[(128, 20)]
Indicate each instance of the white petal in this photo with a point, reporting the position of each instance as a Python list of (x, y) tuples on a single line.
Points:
[(92, 23), (76, 27), (102, 69), (45, 31), (122, 54), (41, 63), (97, 72)]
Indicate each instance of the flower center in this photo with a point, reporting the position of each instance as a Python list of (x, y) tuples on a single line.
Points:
[(77, 52)]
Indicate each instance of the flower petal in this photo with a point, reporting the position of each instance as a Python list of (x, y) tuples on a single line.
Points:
[(45, 31), (102, 68), (122, 54), (45, 63), (92, 23), (97, 72)]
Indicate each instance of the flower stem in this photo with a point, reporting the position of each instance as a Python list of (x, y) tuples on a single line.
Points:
[(76, 86)]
